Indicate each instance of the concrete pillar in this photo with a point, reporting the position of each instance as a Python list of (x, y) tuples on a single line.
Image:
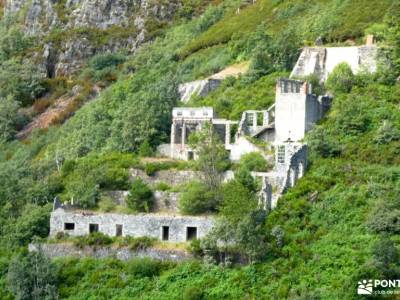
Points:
[(183, 134), (173, 139), (227, 134), (266, 118), (255, 120)]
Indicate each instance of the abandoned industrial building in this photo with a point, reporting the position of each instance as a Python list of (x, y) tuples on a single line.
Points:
[(282, 127)]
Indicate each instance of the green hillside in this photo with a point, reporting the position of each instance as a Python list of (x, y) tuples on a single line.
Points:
[(338, 225)]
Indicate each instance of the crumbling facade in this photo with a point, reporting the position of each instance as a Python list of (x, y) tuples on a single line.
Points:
[(282, 127), (172, 228)]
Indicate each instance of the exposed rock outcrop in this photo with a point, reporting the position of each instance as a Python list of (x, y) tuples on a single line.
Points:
[(79, 29)]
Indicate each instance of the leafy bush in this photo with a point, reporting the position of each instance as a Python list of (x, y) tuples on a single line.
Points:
[(341, 79), (387, 133), (144, 267), (140, 243), (196, 199), (106, 204), (8, 118), (33, 274), (193, 293), (162, 186), (105, 60), (145, 149), (140, 197), (254, 161), (93, 239)]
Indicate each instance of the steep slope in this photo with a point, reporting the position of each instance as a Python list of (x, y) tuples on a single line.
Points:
[(324, 235)]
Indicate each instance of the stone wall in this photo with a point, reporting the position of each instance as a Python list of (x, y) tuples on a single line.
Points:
[(150, 225), (66, 250), (163, 200), (166, 201), (170, 177)]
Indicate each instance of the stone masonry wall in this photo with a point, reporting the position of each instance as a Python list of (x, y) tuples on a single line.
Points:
[(132, 225), (170, 177), (64, 250)]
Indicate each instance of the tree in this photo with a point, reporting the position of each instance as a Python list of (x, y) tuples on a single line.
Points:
[(33, 277), (254, 161), (145, 149), (197, 199), (140, 197), (392, 36), (341, 79), (238, 201), (8, 117), (386, 257), (213, 158), (22, 80)]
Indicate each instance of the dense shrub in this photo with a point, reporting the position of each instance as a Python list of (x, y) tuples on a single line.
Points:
[(196, 199), (144, 267), (254, 161), (93, 239), (140, 197), (341, 79)]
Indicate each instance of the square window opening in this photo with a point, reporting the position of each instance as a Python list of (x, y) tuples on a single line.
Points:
[(69, 226), (93, 228), (191, 233), (118, 230), (165, 233)]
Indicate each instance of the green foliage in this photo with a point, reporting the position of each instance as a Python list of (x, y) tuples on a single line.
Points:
[(238, 201), (213, 159), (33, 277), (22, 80), (8, 118), (341, 79), (139, 243), (103, 67), (93, 239), (193, 293), (140, 197), (145, 149), (34, 223), (254, 161), (84, 178), (197, 198), (319, 226)]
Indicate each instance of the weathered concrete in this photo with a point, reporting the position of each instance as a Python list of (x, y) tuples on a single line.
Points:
[(132, 225), (198, 87), (321, 61), (67, 250)]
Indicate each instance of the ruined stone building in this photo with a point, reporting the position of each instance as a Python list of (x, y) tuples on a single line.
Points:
[(282, 127)]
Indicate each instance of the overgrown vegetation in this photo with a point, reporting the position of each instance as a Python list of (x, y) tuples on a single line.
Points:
[(337, 226)]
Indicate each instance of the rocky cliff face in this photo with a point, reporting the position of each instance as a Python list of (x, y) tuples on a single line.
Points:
[(71, 31)]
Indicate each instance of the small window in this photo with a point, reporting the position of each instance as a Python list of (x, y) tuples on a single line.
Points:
[(191, 233), (118, 230), (93, 228), (281, 154), (69, 226), (250, 118), (179, 113), (190, 155), (165, 233)]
